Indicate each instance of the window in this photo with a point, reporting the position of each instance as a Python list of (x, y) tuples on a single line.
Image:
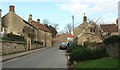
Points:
[(92, 30)]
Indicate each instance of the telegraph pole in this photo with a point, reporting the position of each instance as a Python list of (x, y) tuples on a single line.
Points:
[(73, 22), (119, 25)]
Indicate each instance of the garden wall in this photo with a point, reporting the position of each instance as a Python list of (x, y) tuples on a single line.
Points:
[(10, 47)]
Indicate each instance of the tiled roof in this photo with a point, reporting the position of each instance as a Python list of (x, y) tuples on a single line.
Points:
[(28, 23), (40, 26), (109, 27), (58, 35), (65, 34), (69, 35)]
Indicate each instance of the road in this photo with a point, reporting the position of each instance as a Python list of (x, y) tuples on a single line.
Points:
[(46, 58)]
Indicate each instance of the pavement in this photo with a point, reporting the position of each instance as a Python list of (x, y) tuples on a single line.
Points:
[(12, 56)]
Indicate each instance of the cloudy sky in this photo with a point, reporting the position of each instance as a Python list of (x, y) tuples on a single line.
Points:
[(61, 11)]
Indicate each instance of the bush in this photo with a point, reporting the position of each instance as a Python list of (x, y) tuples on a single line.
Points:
[(98, 53), (112, 44), (112, 40), (71, 47), (81, 53)]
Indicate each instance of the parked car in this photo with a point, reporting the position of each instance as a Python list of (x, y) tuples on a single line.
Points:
[(63, 46), (69, 43)]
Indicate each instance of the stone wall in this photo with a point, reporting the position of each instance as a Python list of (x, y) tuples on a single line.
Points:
[(36, 46), (9, 47), (112, 49)]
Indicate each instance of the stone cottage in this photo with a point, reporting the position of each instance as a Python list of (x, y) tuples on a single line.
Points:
[(110, 29), (43, 33), (87, 31), (64, 38), (12, 23)]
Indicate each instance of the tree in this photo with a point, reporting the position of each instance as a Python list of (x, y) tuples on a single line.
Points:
[(45, 21), (55, 26), (68, 28), (50, 27)]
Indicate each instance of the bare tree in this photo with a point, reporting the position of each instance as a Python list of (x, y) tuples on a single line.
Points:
[(45, 21), (68, 28), (55, 26)]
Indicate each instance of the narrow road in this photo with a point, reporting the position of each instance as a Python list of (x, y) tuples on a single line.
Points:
[(46, 58)]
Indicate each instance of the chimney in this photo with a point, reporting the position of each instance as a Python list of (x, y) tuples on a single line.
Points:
[(0, 13), (117, 21), (11, 8), (117, 24), (38, 20), (30, 18), (84, 18)]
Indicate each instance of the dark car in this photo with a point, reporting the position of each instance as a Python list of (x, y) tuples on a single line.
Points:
[(63, 46), (69, 43)]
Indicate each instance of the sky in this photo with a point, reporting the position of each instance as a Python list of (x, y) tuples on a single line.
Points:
[(61, 11)]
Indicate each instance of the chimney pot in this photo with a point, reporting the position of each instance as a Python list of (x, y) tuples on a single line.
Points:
[(0, 13), (11, 8), (38, 20), (117, 21), (0, 10), (84, 18), (30, 18)]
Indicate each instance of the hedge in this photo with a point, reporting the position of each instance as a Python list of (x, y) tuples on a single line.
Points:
[(112, 39), (82, 53)]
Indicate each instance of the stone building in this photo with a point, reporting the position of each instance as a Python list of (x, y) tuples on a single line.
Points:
[(87, 32), (43, 33), (64, 38), (81, 27), (31, 30), (110, 29), (12, 23)]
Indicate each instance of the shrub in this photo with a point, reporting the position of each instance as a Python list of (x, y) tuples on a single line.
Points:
[(81, 53), (98, 53), (112, 44), (112, 39), (71, 47)]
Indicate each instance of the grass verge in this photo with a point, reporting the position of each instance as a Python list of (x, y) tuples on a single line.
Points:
[(98, 63)]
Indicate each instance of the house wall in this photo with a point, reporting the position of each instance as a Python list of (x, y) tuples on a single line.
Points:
[(49, 39), (77, 31), (87, 35), (13, 22)]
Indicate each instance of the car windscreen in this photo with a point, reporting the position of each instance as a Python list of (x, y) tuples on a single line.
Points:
[(63, 45)]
